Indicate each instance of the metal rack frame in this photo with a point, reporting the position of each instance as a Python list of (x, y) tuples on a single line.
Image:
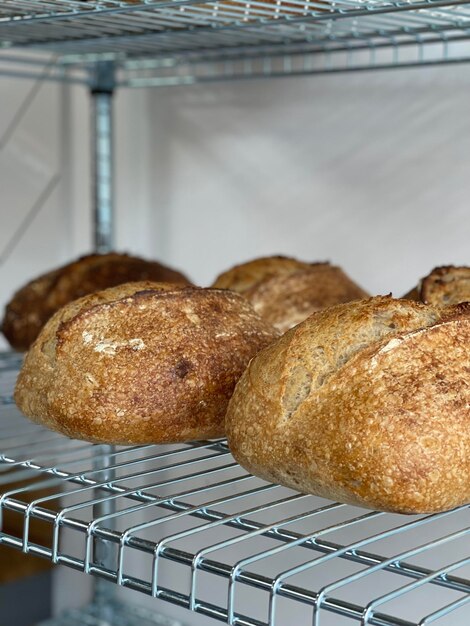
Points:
[(245, 533), (110, 44), (179, 42)]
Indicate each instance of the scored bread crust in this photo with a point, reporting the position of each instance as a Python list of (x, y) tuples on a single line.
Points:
[(287, 300), (33, 304), (443, 286), (244, 276), (138, 364), (366, 403)]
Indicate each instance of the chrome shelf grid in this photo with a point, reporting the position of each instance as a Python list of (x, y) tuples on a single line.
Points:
[(190, 526), (180, 42)]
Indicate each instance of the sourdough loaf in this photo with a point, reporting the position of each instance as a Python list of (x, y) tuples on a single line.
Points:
[(287, 300), (141, 363), (34, 304), (246, 275), (443, 286), (367, 403)]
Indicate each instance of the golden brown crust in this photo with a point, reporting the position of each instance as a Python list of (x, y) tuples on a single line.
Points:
[(366, 403), (150, 366), (446, 285), (244, 276), (33, 305), (413, 294), (24, 314), (443, 286), (287, 300)]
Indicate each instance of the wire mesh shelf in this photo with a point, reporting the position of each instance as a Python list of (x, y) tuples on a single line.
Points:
[(186, 524), (189, 41)]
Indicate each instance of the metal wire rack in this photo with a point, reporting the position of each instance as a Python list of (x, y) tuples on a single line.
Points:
[(179, 42), (187, 525)]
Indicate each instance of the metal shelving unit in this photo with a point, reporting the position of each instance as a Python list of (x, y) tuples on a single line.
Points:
[(185, 523), (110, 44), (180, 42), (189, 526)]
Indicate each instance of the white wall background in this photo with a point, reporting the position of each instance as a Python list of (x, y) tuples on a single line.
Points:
[(370, 171)]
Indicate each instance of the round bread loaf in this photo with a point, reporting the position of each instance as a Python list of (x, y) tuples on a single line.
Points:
[(287, 300), (443, 286), (141, 363), (33, 305), (242, 277), (366, 403)]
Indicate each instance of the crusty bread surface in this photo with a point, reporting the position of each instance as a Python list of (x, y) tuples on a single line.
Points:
[(413, 294), (287, 300), (366, 403), (443, 286), (33, 304), (446, 285), (244, 276), (141, 363)]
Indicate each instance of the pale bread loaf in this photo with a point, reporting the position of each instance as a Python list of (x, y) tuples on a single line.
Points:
[(367, 403)]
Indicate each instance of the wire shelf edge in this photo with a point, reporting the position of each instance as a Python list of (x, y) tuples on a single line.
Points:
[(181, 42)]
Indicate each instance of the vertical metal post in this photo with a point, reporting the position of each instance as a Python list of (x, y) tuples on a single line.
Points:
[(104, 591), (102, 88)]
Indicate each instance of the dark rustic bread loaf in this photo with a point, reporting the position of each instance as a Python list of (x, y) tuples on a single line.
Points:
[(443, 286), (287, 300), (33, 305), (141, 364), (242, 277), (366, 403)]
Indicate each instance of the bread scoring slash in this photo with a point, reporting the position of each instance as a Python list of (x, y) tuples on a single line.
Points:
[(366, 403), (141, 363)]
